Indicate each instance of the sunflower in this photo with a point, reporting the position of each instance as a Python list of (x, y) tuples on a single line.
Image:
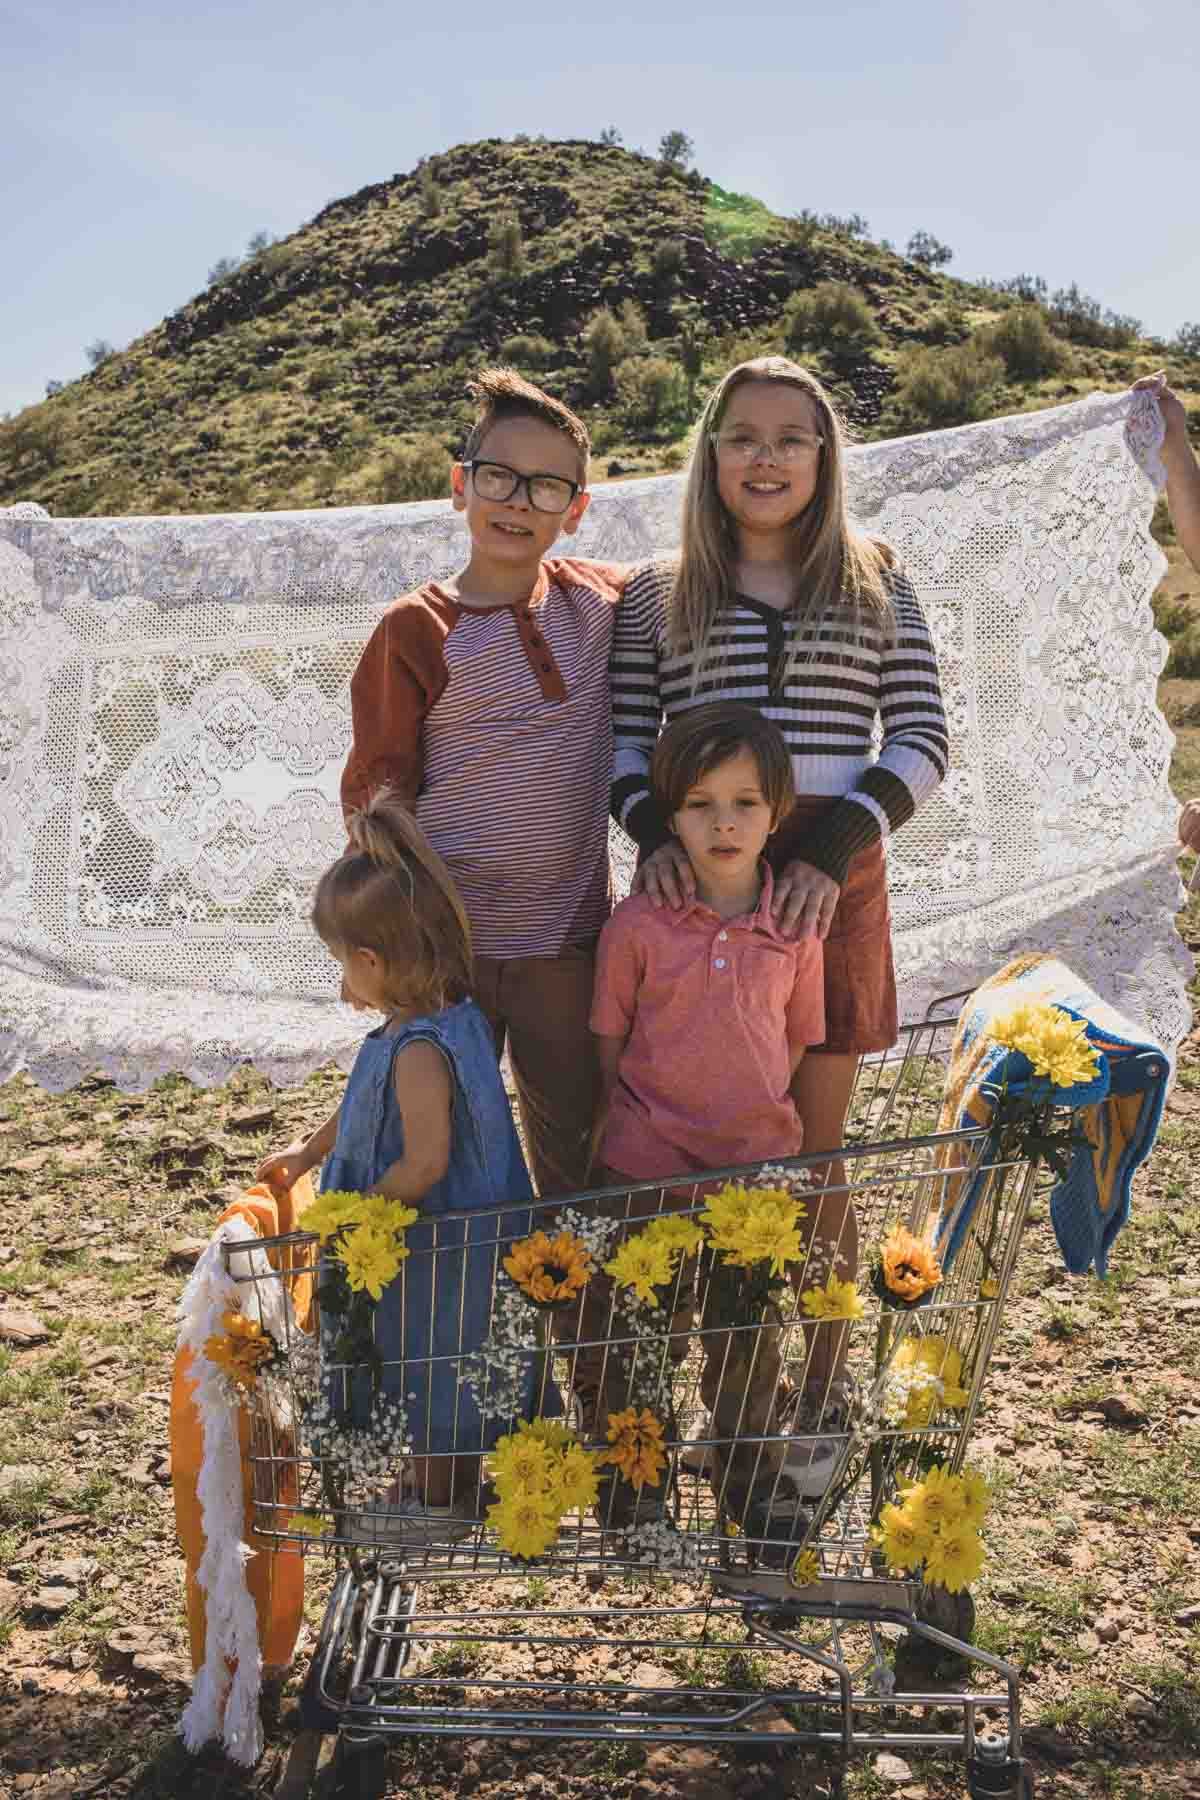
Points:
[(836, 1300), (242, 1349), (549, 1271), (1055, 1044), (525, 1524), (678, 1233), (902, 1536), (955, 1556), (805, 1569), (642, 1263), (636, 1441), (908, 1268)]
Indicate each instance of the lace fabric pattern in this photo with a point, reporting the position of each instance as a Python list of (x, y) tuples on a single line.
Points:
[(174, 716)]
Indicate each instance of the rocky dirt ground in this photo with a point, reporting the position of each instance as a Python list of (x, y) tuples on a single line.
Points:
[(1091, 1432)]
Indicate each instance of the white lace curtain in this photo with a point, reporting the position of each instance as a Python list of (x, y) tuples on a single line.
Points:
[(175, 715)]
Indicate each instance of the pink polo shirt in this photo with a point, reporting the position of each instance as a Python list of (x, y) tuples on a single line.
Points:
[(711, 1010)]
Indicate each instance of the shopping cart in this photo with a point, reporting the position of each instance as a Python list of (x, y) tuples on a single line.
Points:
[(701, 1606)]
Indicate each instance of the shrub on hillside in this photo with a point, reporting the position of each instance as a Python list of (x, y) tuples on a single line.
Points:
[(929, 251), (99, 351), (676, 150), (506, 247), (1025, 344), (944, 387), (528, 349), (633, 324), (832, 317), (652, 390), (428, 192), (604, 342), (416, 468), (1082, 319), (611, 136), (668, 261), (1187, 340)]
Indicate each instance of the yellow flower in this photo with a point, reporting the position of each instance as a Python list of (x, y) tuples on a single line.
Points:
[(988, 1289), (749, 1225), (642, 1263), (242, 1349), (310, 1525), (636, 1446), (955, 1556), (806, 1569), (1055, 1043), (910, 1268), (551, 1432), (329, 1212), (902, 1536), (925, 1361), (578, 1481), (836, 1300), (681, 1235), (525, 1525), (938, 1500), (371, 1257), (523, 1464), (551, 1271), (977, 1497)]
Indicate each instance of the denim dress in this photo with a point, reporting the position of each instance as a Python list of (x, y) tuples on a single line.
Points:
[(437, 1310)]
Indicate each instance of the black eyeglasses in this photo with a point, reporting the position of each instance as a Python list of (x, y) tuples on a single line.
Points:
[(547, 493)]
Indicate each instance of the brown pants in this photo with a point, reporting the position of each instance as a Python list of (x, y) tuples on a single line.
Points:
[(741, 1380), (538, 1006)]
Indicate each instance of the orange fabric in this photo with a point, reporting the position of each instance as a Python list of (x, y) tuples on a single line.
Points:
[(274, 1574)]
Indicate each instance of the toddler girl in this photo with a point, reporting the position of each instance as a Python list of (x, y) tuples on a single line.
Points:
[(424, 1120)]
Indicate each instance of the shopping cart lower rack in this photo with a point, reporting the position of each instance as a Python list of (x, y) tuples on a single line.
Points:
[(668, 1486)]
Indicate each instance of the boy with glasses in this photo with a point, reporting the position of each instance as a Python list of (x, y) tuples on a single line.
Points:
[(483, 703)]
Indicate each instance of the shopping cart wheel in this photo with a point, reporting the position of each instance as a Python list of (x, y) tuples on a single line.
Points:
[(362, 1770), (998, 1776)]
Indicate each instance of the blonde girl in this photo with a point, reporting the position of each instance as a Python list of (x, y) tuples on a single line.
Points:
[(425, 1120), (776, 600)]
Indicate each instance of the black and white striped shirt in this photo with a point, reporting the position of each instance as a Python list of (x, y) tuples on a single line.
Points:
[(851, 675)]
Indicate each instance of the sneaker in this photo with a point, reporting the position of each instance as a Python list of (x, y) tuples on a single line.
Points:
[(410, 1525), (775, 1521), (820, 1421), (695, 1454)]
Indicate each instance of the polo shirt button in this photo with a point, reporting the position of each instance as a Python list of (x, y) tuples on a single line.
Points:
[(720, 963), (721, 936)]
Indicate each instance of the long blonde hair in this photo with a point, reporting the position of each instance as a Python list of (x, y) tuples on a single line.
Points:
[(392, 893), (840, 573)]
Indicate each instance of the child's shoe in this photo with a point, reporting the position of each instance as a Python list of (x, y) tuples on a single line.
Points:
[(775, 1520), (820, 1421), (410, 1525)]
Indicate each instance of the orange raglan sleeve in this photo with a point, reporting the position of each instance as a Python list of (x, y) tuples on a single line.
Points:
[(399, 678)]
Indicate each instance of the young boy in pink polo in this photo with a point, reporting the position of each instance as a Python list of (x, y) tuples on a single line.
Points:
[(483, 702), (702, 1016)]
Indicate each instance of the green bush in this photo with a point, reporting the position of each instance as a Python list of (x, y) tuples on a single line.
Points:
[(832, 317), (604, 341), (651, 390), (320, 379), (1184, 660), (530, 349), (633, 324), (506, 247), (416, 468), (1025, 344), (428, 192), (667, 263), (944, 387)]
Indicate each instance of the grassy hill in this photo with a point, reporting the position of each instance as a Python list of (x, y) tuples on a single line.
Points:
[(329, 368)]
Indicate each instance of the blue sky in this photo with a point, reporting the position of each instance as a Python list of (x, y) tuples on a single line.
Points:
[(139, 142)]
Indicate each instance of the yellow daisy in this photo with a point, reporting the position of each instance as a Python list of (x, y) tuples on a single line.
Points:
[(836, 1300), (955, 1556), (806, 1569), (371, 1258), (636, 1446), (902, 1536), (643, 1264), (680, 1234), (524, 1525)]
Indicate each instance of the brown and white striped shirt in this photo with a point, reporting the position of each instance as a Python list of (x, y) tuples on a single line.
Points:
[(494, 726), (851, 675)]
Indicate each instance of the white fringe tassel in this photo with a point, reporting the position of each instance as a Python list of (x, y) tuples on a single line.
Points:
[(220, 1707)]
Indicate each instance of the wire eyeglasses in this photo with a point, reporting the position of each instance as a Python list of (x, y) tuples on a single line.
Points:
[(793, 447), (547, 493)]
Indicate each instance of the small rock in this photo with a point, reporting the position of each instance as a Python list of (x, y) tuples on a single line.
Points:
[(30, 1685), (187, 1251), (10, 1598), (64, 1522), (1122, 1409), (54, 1601), (132, 1640), (118, 1258), (1190, 1614), (78, 1659), (18, 1475), (72, 1571), (1137, 1708), (257, 1119), (23, 1784), (1187, 1309), (891, 1768), (21, 1328), (1108, 1631), (160, 1665), (29, 1165)]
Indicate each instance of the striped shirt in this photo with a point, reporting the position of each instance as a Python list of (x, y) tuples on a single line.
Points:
[(851, 675), (494, 726)]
